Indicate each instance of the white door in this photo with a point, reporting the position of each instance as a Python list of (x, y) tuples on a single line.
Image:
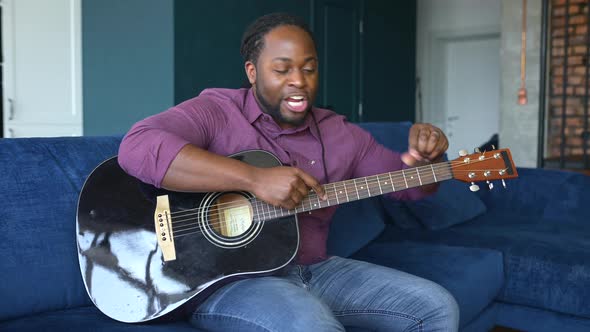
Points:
[(42, 67), (458, 68), (472, 81)]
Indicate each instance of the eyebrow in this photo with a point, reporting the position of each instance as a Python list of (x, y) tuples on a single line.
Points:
[(284, 59)]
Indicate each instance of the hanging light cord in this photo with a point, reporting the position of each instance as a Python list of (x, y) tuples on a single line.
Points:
[(522, 95)]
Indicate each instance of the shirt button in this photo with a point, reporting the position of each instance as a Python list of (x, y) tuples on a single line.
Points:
[(312, 162), (294, 163)]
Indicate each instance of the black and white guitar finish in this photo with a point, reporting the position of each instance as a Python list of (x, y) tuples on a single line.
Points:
[(145, 252)]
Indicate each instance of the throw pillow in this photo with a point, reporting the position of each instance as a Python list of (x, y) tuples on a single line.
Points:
[(452, 204)]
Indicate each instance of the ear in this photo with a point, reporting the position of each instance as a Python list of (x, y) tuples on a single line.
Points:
[(250, 71)]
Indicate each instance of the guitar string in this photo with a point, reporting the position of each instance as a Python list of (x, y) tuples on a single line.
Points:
[(259, 205), (266, 214), (272, 212), (397, 176), (375, 179), (437, 167), (348, 187), (370, 184), (331, 196)]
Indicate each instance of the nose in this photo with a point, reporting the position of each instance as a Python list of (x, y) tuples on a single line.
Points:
[(297, 79)]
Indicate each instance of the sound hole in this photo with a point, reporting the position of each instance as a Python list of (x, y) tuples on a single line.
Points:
[(230, 215)]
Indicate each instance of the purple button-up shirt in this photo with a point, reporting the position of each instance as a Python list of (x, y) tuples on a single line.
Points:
[(227, 121)]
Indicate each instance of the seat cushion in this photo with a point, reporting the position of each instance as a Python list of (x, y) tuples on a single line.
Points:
[(473, 276), (85, 319), (546, 261)]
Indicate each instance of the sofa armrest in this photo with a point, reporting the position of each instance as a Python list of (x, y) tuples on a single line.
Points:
[(541, 193)]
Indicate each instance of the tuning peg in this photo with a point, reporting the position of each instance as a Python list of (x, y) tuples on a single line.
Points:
[(493, 147), (476, 150), (473, 187), (503, 184), (490, 185), (462, 153)]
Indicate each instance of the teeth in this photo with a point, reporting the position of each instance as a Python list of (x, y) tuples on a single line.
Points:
[(295, 103), (296, 97)]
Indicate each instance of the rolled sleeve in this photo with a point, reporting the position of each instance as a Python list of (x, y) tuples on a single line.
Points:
[(151, 145)]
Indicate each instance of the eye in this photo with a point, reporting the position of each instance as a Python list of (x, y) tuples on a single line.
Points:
[(281, 72), (309, 70)]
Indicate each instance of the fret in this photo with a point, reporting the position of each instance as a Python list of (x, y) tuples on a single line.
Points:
[(276, 214), (263, 212), (391, 180), (355, 188), (367, 184), (318, 204), (310, 206), (418, 173), (433, 174), (346, 192), (255, 203), (379, 183), (406, 181), (336, 193)]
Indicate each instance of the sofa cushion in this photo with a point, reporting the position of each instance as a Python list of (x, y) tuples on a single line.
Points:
[(85, 319), (41, 181), (473, 276), (546, 261), (354, 225), (525, 318), (452, 204)]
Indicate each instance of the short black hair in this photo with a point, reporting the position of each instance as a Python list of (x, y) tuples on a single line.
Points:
[(253, 38)]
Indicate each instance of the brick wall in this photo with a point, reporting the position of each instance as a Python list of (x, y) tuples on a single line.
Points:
[(569, 92)]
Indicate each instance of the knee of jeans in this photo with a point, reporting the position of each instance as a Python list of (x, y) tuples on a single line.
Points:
[(444, 305)]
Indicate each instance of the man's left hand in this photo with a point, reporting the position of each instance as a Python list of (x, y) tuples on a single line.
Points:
[(427, 144)]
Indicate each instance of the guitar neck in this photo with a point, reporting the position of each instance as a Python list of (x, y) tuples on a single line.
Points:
[(360, 188)]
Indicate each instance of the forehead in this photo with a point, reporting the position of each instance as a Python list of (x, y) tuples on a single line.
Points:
[(288, 41)]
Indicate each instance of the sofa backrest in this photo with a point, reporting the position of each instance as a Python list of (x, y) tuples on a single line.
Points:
[(40, 179), (355, 224)]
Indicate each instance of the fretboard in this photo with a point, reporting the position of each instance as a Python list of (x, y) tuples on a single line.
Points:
[(359, 188)]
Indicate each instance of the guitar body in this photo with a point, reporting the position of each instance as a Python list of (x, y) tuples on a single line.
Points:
[(121, 257)]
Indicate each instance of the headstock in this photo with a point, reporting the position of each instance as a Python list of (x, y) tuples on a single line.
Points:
[(484, 166)]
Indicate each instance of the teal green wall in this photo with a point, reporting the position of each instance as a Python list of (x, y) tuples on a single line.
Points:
[(127, 62), (389, 61), (207, 40), (140, 57)]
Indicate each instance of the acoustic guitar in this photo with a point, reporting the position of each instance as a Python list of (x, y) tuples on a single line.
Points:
[(146, 252)]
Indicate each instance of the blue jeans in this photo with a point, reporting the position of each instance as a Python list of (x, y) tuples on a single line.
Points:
[(332, 295)]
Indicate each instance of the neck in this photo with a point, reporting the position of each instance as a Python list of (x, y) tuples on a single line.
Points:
[(360, 188)]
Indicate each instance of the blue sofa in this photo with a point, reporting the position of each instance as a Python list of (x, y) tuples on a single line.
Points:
[(517, 257)]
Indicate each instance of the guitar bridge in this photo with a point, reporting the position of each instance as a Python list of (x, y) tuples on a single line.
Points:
[(163, 228)]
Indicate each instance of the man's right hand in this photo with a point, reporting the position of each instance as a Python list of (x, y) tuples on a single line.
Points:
[(284, 186)]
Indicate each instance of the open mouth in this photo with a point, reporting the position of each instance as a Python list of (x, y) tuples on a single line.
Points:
[(296, 103)]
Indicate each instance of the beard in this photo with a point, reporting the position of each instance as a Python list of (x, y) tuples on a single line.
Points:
[(274, 110)]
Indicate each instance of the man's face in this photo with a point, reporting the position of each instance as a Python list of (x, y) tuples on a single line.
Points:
[(285, 77)]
